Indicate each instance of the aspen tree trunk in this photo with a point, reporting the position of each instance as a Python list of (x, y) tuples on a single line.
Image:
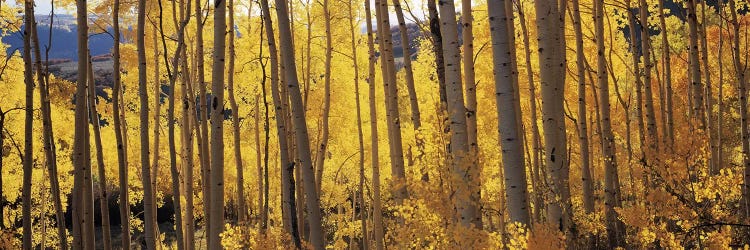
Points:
[(300, 126), (103, 194), (409, 73), (157, 128), (742, 89), (261, 186), (437, 48), (536, 146), (28, 165), (712, 163), (653, 138), (187, 144), (470, 88), (360, 138), (695, 71), (583, 139), (307, 76), (459, 147), (50, 150), (608, 149), (398, 183), (506, 100), (287, 172), (172, 77), (552, 63), (83, 213), (119, 133), (148, 201), (377, 212), (638, 83), (323, 144), (241, 207), (216, 223), (720, 114), (667, 74), (203, 142)]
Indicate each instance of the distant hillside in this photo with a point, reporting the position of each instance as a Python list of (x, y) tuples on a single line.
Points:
[(64, 38)]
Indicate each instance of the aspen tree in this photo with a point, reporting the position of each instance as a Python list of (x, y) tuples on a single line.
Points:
[(377, 220), (241, 207), (122, 154), (360, 137), (103, 194), (666, 58), (203, 151), (506, 100), (408, 71), (323, 144), (157, 126), (172, 77), (50, 150), (300, 126), (536, 141), (398, 182), (583, 139), (459, 147), (742, 92), (216, 207), (552, 64), (608, 142), (638, 83), (148, 201), (697, 110), (287, 171), (28, 165), (653, 139), (83, 208), (437, 48)]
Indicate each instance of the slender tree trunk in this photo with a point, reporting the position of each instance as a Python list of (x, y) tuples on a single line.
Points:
[(83, 209), (323, 144), (583, 139), (241, 207), (608, 150), (374, 159), (409, 73), (720, 112), (287, 172), (148, 201), (103, 192), (28, 165), (398, 183), (742, 89), (695, 71), (187, 143), (653, 138), (536, 145), (506, 99), (216, 207), (710, 130), (437, 48), (360, 137), (157, 127), (638, 83), (470, 88), (50, 150), (667, 73), (203, 151), (300, 126), (172, 77), (119, 133)]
